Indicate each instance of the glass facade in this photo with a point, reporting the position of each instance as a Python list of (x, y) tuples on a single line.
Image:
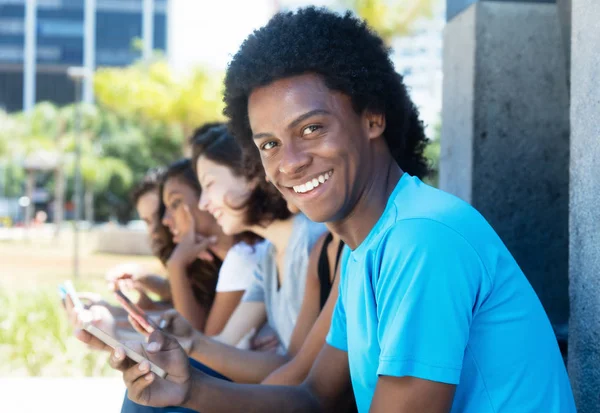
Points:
[(60, 31)]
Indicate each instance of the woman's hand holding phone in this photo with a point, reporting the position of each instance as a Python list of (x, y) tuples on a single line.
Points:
[(98, 315), (135, 312)]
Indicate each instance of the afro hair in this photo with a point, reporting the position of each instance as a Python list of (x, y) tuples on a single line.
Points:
[(350, 58)]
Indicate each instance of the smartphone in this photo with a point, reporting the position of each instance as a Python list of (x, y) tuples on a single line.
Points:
[(112, 342), (136, 312), (68, 289)]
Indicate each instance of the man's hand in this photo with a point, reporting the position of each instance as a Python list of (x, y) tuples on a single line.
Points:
[(173, 323), (143, 386)]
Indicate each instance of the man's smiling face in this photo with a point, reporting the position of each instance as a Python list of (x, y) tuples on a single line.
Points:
[(313, 145)]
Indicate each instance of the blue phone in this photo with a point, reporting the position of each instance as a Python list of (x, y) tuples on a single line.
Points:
[(62, 292)]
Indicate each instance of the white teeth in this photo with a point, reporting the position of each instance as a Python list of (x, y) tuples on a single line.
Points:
[(313, 183)]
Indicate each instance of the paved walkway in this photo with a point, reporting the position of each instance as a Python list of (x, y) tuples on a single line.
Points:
[(64, 395)]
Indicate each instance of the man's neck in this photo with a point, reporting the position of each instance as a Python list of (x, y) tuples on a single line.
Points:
[(371, 203)]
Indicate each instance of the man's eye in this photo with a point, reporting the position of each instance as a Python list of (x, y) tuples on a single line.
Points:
[(268, 145), (310, 129)]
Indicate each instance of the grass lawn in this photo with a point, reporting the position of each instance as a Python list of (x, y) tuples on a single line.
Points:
[(35, 337)]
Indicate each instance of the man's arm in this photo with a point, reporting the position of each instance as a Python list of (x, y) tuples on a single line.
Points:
[(326, 386), (242, 366), (411, 395)]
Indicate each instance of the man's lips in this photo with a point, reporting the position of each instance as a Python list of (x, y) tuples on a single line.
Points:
[(310, 184)]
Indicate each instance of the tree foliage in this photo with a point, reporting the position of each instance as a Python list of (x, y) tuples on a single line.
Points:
[(151, 93), (142, 115), (391, 18)]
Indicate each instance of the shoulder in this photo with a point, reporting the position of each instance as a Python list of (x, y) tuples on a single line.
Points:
[(422, 251), (421, 234), (247, 254)]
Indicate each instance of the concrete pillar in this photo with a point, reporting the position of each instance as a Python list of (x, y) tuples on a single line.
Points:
[(505, 133), (564, 14), (584, 257)]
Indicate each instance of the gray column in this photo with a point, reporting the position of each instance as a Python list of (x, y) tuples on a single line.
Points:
[(505, 134), (584, 259)]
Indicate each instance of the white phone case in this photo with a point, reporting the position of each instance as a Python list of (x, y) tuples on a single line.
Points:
[(109, 340), (68, 285)]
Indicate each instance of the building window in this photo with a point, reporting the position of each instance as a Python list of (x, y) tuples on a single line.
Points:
[(60, 28), (12, 26)]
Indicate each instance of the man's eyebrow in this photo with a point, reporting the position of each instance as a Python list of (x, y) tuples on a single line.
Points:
[(307, 115), (262, 135), (294, 123)]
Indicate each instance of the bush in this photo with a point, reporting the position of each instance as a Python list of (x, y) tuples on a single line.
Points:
[(37, 340)]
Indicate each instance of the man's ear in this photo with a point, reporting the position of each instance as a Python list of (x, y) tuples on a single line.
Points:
[(375, 123)]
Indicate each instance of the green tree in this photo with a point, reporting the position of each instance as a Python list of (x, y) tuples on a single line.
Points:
[(12, 129), (98, 171), (154, 111), (150, 93), (391, 18)]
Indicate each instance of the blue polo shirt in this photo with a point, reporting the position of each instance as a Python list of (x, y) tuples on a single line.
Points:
[(433, 293)]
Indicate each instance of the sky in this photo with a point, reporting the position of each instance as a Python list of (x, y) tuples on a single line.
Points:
[(209, 32)]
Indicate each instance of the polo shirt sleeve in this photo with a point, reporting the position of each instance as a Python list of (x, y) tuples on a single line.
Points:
[(338, 336), (426, 292)]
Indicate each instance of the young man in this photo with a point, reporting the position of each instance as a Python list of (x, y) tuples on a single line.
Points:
[(434, 315)]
